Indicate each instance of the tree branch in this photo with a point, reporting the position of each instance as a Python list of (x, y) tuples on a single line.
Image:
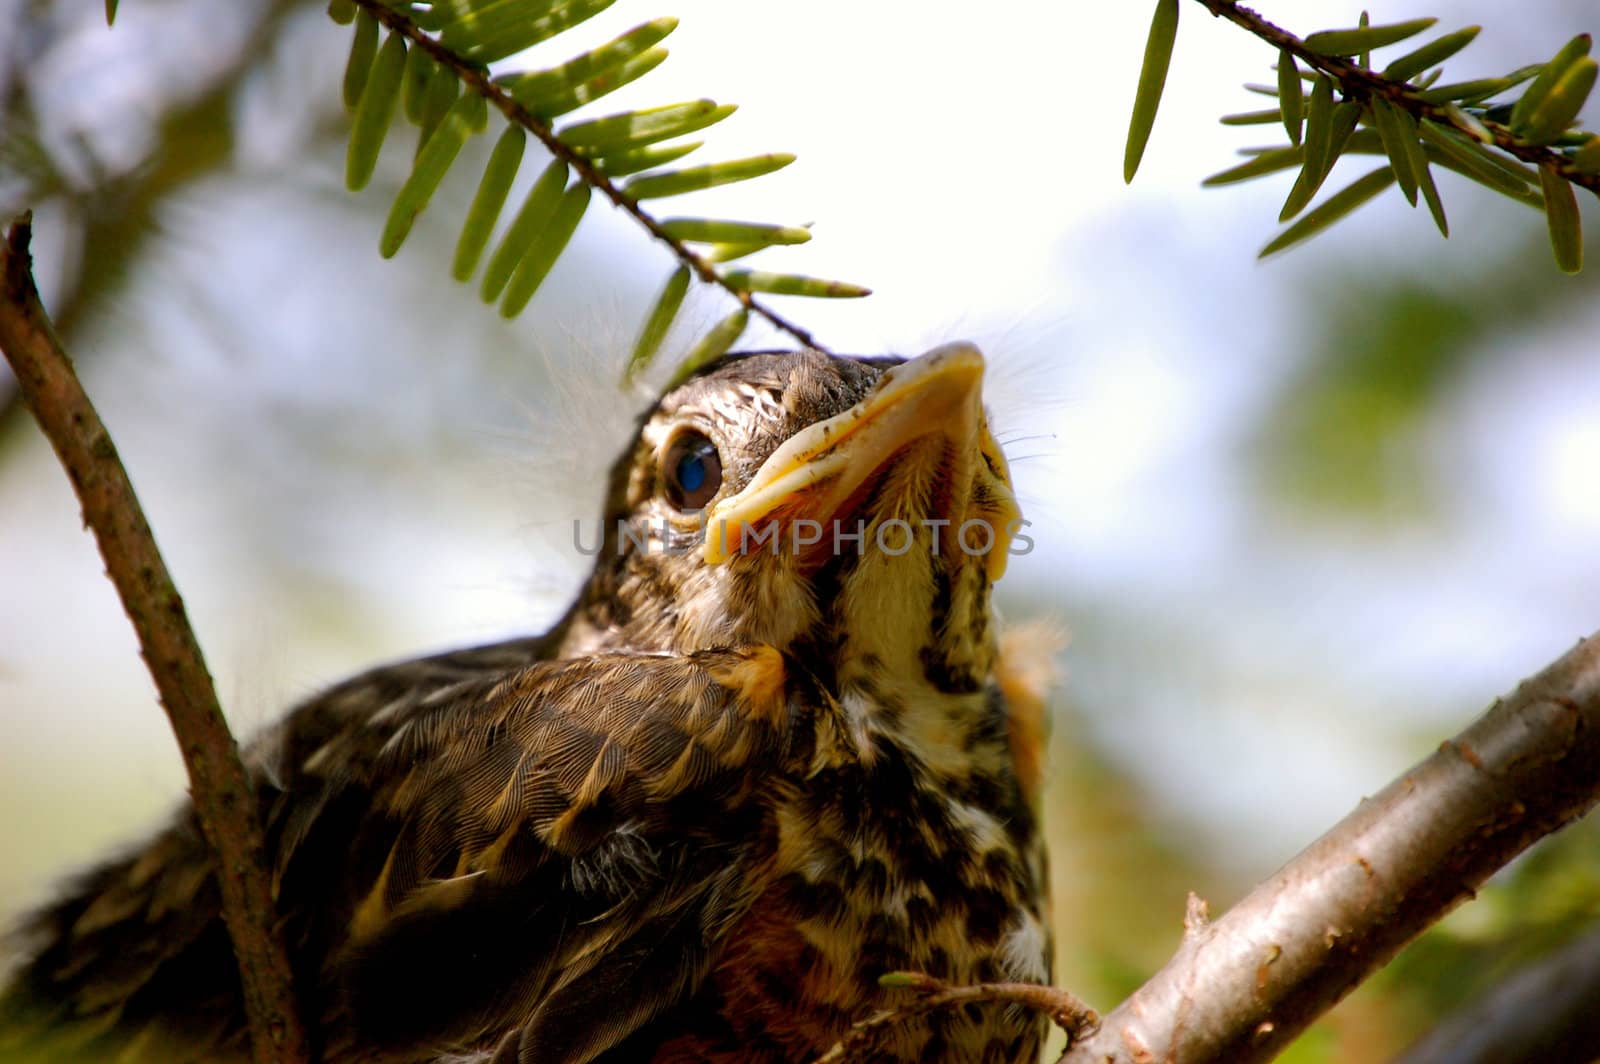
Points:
[(223, 797), (1358, 82), (1242, 988)]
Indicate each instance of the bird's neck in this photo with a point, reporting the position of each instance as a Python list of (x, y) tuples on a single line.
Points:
[(909, 651), (904, 643)]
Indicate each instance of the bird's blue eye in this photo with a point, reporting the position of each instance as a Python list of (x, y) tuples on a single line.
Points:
[(692, 471)]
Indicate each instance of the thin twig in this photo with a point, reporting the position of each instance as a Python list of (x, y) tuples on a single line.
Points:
[(223, 797), (1241, 988), (1064, 1009), (477, 78), (1361, 83)]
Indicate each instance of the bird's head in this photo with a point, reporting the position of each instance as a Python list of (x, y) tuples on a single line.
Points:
[(860, 507)]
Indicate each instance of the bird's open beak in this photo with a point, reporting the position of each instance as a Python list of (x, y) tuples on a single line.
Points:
[(815, 472)]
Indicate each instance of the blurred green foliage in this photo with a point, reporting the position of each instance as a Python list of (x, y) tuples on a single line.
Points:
[(1345, 437)]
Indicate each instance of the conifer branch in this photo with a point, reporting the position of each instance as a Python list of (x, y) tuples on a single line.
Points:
[(1360, 83), (477, 79)]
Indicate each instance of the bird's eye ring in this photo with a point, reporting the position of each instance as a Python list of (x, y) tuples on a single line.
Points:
[(691, 470)]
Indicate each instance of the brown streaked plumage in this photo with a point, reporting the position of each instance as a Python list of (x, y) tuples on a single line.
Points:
[(695, 821)]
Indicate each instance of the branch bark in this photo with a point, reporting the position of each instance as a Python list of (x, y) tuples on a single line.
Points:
[(223, 797), (1241, 988)]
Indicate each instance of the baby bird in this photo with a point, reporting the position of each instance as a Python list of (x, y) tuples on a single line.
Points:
[(762, 760)]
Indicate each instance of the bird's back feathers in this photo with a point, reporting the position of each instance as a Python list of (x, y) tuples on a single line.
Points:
[(545, 854)]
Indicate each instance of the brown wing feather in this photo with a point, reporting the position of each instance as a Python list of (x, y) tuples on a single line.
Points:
[(538, 859)]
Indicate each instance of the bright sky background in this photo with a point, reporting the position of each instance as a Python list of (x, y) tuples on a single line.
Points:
[(967, 166)]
